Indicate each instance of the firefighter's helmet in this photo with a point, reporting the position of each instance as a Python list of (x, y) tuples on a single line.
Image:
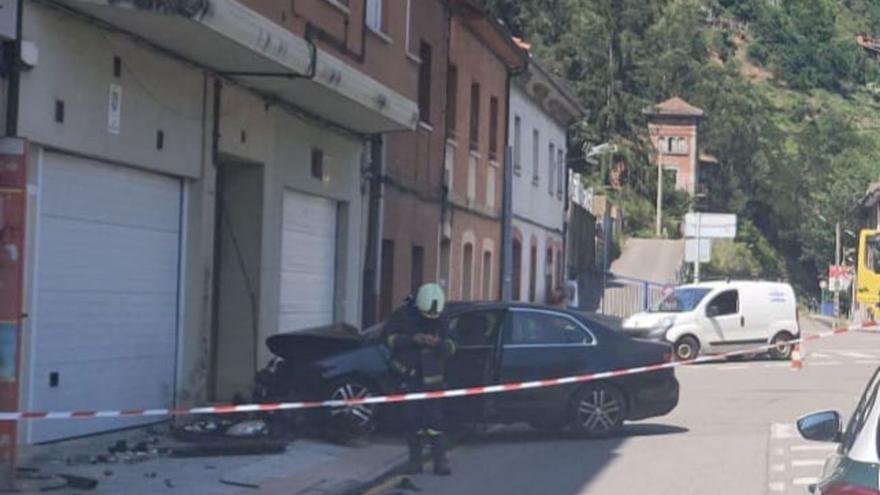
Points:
[(431, 300)]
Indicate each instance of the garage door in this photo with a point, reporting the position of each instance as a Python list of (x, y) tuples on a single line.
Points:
[(308, 261), (105, 319)]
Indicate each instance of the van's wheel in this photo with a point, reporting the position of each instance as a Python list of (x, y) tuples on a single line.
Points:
[(782, 346), (686, 348), (597, 410)]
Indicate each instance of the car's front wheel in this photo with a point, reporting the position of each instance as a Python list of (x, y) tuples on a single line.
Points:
[(351, 421), (686, 348), (782, 346), (597, 410)]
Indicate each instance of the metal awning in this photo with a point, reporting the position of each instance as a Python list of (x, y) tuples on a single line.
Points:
[(229, 38)]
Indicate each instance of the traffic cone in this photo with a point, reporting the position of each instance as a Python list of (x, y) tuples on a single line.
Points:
[(796, 362)]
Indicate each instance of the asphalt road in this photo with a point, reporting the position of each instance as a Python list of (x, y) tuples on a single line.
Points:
[(732, 433), (656, 260)]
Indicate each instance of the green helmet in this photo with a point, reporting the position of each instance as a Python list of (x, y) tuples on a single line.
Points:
[(430, 300)]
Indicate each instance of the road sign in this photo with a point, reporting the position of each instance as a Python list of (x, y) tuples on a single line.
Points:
[(840, 278), (690, 250), (710, 225)]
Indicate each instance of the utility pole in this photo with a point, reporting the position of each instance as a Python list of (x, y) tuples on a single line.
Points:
[(699, 248), (660, 192), (837, 263)]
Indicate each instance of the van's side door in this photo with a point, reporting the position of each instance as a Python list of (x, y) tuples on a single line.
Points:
[(724, 323)]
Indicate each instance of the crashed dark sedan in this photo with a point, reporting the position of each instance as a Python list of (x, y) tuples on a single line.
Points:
[(496, 343)]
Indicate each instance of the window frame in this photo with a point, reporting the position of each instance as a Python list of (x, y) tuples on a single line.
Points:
[(375, 8), (509, 328), (474, 117), (716, 296), (498, 330)]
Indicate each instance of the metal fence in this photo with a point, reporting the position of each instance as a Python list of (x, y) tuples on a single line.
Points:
[(625, 296)]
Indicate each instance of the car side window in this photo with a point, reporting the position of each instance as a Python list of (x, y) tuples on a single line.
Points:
[(726, 303), (475, 329), (534, 328)]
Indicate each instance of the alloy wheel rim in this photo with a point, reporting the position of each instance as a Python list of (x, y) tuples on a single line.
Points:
[(599, 411), (783, 347), (362, 414)]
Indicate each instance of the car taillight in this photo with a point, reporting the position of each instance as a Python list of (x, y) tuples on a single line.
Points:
[(844, 488)]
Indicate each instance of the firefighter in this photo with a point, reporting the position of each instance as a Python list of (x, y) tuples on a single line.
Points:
[(416, 334)]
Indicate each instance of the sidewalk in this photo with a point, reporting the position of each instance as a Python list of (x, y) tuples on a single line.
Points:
[(305, 467)]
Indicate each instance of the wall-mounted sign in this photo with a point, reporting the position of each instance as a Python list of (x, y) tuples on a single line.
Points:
[(114, 109)]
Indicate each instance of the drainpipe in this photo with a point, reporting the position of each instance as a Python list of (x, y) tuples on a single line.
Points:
[(507, 200), (14, 60), (372, 257)]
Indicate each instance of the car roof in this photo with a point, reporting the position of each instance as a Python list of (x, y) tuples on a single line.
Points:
[(715, 284), (457, 306)]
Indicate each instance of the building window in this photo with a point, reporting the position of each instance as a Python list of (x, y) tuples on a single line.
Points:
[(560, 173), (449, 165), (490, 187), (425, 82), (533, 270), (517, 144), (386, 298), (417, 268), (487, 275), (680, 145), (467, 272), (551, 168), (548, 275), (493, 128), (472, 178), (536, 155), (443, 276), (376, 15), (451, 100), (560, 268), (475, 117), (517, 269)]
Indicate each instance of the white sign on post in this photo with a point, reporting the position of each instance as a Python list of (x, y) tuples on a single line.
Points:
[(710, 225), (690, 250)]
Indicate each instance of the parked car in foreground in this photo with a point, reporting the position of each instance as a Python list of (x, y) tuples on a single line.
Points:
[(854, 469), (717, 317), (496, 343)]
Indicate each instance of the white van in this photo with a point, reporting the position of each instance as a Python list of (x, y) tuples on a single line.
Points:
[(716, 317)]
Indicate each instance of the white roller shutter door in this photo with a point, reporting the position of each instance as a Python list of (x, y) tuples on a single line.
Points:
[(107, 280)]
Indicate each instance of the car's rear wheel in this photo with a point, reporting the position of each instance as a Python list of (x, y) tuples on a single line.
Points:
[(597, 410), (782, 346), (347, 422), (687, 348)]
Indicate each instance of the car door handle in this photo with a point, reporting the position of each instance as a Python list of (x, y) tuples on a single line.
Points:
[(742, 321)]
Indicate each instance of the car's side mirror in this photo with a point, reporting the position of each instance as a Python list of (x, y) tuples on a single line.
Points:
[(822, 426)]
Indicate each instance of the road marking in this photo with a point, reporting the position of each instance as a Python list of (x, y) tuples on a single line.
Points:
[(778, 451), (857, 355), (776, 365), (776, 487), (826, 363), (818, 355), (807, 462), (804, 481), (811, 448), (781, 430), (777, 467), (872, 363), (734, 368)]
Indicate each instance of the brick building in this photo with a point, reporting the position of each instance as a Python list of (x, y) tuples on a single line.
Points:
[(482, 60), (674, 129)]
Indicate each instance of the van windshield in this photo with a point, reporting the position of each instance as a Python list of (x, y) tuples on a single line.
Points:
[(680, 300)]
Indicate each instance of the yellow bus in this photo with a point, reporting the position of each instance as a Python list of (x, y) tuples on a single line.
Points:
[(868, 276)]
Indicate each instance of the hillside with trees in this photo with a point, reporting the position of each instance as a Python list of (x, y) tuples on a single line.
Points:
[(791, 104)]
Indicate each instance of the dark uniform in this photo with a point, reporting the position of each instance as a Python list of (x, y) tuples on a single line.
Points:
[(421, 364)]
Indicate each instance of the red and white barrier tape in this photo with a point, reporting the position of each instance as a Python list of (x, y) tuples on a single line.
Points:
[(385, 399)]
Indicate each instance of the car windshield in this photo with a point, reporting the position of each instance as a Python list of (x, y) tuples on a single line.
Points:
[(680, 301)]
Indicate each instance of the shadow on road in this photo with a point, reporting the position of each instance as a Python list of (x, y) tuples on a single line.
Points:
[(523, 434), (518, 459)]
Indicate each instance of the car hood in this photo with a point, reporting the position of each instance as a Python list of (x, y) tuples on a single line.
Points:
[(646, 320)]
